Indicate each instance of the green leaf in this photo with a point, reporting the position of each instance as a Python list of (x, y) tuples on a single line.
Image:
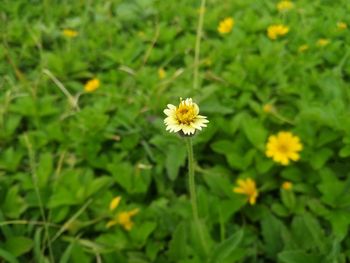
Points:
[(222, 146), (345, 151), (288, 199), (62, 196), (271, 232), (10, 159), (320, 157), (298, 256), (178, 243), (218, 184), (97, 184), (18, 245), (67, 253), (13, 205), (255, 132), (340, 221), (142, 231), (223, 251), (123, 174), (45, 168), (7, 256), (175, 158), (239, 161)]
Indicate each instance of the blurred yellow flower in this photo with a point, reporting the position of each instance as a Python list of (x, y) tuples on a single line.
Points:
[(92, 85), (283, 147), (274, 31), (284, 6), (114, 203), (226, 25), (268, 108), (287, 185), (161, 73), (303, 48), (184, 118), (342, 26), (247, 187), (124, 219), (69, 33), (322, 42)]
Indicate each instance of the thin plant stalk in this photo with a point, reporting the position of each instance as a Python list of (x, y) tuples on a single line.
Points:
[(37, 192), (198, 45), (193, 195)]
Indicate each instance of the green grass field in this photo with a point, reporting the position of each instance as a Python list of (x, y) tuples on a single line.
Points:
[(89, 173)]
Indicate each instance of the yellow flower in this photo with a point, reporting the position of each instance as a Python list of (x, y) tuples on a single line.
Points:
[(161, 73), (114, 203), (342, 26), (322, 42), (226, 25), (69, 33), (247, 187), (268, 108), (283, 147), (184, 118), (287, 185), (275, 31), (124, 219), (285, 6), (303, 48), (92, 85)]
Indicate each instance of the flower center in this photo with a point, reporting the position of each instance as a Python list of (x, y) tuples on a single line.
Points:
[(282, 148), (185, 114)]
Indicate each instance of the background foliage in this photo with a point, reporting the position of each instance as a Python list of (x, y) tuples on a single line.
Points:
[(77, 150)]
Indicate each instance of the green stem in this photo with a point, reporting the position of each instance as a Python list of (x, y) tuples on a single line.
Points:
[(32, 165), (191, 181), (198, 44), (193, 196), (282, 118)]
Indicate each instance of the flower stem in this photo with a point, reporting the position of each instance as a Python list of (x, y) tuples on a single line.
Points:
[(193, 196), (191, 181), (198, 44)]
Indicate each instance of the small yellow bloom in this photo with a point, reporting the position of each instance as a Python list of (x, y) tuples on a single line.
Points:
[(322, 42), (303, 48), (247, 187), (274, 31), (226, 25), (268, 108), (342, 26), (285, 6), (92, 85), (114, 203), (287, 185), (161, 73), (124, 219), (184, 118), (283, 147), (69, 33)]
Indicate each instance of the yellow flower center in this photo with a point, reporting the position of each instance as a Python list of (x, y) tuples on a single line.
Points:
[(282, 148), (185, 114)]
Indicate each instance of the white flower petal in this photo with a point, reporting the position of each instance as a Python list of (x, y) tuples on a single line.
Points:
[(171, 106)]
